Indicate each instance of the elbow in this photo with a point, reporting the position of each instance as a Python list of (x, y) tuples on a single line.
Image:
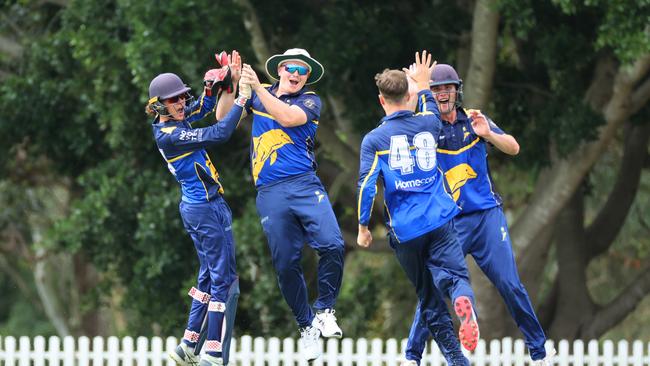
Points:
[(514, 149)]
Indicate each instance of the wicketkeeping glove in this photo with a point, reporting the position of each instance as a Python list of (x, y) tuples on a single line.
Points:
[(216, 80), (222, 61)]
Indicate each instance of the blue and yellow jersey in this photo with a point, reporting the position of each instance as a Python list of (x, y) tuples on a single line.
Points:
[(401, 152), (462, 155), (183, 148), (281, 152)]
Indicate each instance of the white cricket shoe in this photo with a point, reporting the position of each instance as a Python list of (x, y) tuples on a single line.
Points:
[(546, 361), (310, 348), (184, 355), (325, 321), (408, 363)]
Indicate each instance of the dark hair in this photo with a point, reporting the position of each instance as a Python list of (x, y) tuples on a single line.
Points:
[(392, 85)]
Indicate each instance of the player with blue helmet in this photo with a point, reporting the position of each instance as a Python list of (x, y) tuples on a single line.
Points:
[(401, 152), (206, 215), (481, 225)]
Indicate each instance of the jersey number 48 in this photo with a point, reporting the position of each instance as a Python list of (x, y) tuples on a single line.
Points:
[(402, 156)]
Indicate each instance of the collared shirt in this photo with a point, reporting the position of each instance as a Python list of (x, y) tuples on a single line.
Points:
[(183, 148), (462, 155), (401, 152), (281, 152)]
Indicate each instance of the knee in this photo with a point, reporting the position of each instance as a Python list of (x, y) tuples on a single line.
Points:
[(333, 250), (511, 288), (286, 269)]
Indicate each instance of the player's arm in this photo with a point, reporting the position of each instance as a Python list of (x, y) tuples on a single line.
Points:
[(367, 189), (491, 133), (419, 73), (286, 115), (427, 105), (197, 138), (200, 107)]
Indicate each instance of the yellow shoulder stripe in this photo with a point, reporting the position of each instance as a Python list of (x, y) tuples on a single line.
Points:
[(456, 152), (200, 106), (168, 130), (263, 114), (179, 157), (363, 185)]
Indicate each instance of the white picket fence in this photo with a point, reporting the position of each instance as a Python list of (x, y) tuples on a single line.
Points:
[(249, 351)]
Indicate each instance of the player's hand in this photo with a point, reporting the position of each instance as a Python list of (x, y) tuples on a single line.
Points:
[(217, 79), (480, 124), (234, 61), (420, 71), (248, 76), (364, 238), (245, 90)]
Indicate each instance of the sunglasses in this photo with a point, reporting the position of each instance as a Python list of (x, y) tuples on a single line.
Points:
[(177, 98), (302, 70)]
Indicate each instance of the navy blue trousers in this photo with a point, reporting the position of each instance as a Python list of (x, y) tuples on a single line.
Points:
[(210, 227), (293, 212), (484, 235), (435, 265)]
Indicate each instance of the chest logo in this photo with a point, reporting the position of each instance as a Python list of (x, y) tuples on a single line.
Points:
[(266, 147), (465, 133), (457, 177)]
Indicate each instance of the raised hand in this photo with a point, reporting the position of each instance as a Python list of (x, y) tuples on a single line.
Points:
[(234, 61), (249, 77), (245, 90), (420, 70), (480, 124)]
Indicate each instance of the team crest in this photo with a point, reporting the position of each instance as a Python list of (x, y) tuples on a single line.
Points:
[(309, 104), (465, 133)]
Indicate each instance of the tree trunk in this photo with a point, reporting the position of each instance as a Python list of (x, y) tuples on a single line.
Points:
[(611, 217), (480, 76), (574, 304), (558, 182)]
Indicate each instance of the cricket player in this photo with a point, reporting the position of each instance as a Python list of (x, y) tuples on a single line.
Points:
[(401, 152), (206, 215), (292, 203), (481, 226)]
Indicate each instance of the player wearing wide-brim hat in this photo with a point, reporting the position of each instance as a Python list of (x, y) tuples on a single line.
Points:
[(291, 200), (316, 70)]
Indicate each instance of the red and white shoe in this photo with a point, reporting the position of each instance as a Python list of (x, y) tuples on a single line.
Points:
[(468, 332)]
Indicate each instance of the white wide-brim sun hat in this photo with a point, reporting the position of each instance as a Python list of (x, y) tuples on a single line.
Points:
[(295, 54)]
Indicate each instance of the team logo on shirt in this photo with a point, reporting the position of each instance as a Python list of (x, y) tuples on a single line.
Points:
[(465, 133), (457, 177), (309, 103), (266, 147), (319, 195)]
